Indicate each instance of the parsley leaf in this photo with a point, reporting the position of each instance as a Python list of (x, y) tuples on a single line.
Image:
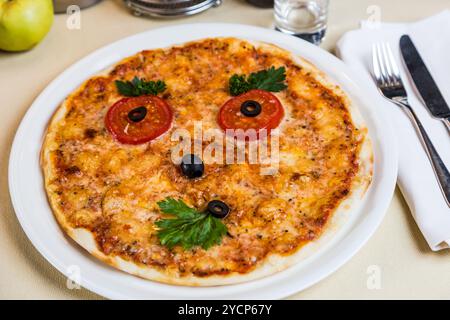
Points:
[(238, 85), (138, 87), (189, 228), (270, 80)]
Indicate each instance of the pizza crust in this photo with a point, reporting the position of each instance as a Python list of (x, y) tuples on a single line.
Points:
[(274, 263)]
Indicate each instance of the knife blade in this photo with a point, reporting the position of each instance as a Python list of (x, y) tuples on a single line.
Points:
[(424, 82)]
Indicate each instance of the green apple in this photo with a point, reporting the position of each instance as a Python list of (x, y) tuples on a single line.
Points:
[(23, 23)]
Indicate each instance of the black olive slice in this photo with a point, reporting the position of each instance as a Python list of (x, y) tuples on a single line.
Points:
[(137, 114), (250, 108), (218, 209), (192, 166)]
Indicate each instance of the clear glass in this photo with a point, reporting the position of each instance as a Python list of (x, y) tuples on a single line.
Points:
[(306, 19)]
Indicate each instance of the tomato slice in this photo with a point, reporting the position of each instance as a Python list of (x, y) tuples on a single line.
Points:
[(269, 117), (155, 121)]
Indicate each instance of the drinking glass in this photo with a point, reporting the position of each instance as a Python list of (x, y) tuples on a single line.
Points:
[(306, 19)]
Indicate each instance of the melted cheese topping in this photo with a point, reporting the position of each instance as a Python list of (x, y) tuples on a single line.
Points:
[(112, 189)]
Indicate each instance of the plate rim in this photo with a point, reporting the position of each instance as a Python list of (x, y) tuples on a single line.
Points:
[(336, 262)]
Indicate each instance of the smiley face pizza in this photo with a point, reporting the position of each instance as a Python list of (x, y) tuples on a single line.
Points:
[(115, 188)]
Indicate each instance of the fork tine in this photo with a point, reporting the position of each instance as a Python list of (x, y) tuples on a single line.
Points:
[(387, 63), (375, 64), (395, 69), (376, 58), (384, 78)]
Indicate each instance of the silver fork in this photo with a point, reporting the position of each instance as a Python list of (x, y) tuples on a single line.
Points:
[(390, 85)]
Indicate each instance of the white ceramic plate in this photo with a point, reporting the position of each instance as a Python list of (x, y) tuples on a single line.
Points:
[(33, 211)]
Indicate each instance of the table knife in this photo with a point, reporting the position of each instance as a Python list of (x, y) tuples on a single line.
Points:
[(424, 82)]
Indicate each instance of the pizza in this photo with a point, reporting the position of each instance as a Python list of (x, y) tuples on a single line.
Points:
[(131, 181)]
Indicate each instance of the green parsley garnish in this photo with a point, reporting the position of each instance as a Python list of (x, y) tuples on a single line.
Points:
[(189, 228), (138, 87), (270, 80)]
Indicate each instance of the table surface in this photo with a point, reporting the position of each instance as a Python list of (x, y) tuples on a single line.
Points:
[(397, 255)]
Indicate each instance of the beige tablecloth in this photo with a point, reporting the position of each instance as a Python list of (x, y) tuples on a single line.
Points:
[(395, 263)]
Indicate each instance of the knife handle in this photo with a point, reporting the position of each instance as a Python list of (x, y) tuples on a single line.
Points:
[(439, 168)]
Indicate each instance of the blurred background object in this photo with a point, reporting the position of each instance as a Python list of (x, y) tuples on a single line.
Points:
[(262, 3), (24, 23), (170, 8), (61, 5), (306, 19)]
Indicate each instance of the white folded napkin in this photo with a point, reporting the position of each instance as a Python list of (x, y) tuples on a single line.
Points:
[(416, 177)]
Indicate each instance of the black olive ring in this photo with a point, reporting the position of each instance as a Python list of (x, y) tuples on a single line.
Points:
[(218, 209), (250, 108), (192, 166), (137, 114)]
